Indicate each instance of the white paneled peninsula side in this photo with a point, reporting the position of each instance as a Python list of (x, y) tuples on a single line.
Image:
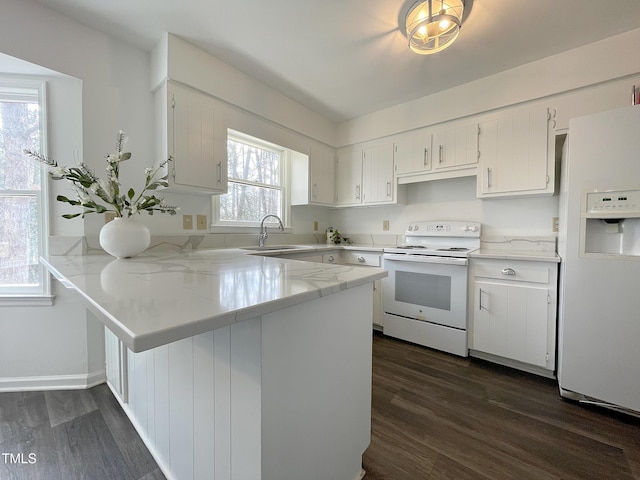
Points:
[(236, 366)]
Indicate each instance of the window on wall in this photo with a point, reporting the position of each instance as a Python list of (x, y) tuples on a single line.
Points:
[(256, 182), (22, 230)]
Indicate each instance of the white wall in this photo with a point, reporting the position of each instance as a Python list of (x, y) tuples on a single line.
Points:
[(104, 87), (609, 59), (50, 347), (453, 199)]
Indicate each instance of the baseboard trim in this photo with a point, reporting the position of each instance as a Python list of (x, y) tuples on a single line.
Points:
[(53, 382)]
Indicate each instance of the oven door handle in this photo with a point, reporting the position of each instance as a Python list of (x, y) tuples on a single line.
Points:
[(401, 257)]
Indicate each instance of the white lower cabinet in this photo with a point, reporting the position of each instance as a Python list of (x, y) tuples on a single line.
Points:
[(513, 313), (370, 259), (363, 258), (258, 399), (116, 365)]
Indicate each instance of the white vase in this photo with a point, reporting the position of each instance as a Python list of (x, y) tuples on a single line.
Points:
[(124, 237)]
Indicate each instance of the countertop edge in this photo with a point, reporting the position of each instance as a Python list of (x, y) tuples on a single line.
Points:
[(145, 341), (531, 256)]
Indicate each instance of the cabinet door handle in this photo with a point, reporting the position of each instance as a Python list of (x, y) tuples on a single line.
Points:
[(480, 306), (388, 188), (488, 178), (357, 192), (219, 172), (361, 259), (425, 156), (440, 153), (508, 271)]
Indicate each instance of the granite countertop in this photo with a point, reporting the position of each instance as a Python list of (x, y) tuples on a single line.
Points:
[(160, 297)]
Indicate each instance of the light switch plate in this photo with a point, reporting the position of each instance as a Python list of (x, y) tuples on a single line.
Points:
[(187, 222), (315, 225), (385, 225), (201, 221)]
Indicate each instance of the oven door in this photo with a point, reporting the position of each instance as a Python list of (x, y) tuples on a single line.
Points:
[(430, 289)]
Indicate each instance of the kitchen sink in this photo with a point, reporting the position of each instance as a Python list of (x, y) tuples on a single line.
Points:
[(271, 247)]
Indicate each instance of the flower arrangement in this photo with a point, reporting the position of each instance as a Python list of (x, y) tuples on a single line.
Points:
[(97, 195)]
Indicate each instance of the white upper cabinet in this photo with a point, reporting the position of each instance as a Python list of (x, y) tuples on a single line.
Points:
[(517, 153), (349, 176), (365, 175), (412, 152), (322, 177), (455, 146), (313, 176), (377, 174), (193, 134)]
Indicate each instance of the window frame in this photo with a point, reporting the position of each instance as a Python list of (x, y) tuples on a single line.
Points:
[(40, 294), (225, 226)]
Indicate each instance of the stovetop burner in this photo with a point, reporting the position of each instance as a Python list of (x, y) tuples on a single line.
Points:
[(441, 238)]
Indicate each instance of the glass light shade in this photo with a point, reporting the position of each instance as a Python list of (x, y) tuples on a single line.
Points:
[(433, 25)]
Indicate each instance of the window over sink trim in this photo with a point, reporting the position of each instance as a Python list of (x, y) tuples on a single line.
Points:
[(254, 181)]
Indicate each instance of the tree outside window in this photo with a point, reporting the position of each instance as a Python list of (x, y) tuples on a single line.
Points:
[(20, 192), (255, 182)]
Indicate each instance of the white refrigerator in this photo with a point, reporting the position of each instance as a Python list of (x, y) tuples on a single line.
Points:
[(599, 242)]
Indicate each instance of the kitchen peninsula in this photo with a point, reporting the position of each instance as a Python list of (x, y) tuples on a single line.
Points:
[(236, 366)]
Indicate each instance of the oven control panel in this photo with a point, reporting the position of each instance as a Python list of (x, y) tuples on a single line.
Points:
[(444, 229)]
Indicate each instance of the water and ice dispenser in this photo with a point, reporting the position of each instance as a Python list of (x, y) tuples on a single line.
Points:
[(611, 223)]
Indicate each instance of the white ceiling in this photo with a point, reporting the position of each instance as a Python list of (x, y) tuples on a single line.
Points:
[(346, 58)]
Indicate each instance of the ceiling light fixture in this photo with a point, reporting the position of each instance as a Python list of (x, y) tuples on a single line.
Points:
[(433, 25)]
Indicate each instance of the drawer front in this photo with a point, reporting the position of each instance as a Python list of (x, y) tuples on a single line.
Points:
[(332, 258), (513, 271), (359, 258)]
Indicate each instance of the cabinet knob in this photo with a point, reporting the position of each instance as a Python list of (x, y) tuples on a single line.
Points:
[(508, 271), (361, 259), (331, 258)]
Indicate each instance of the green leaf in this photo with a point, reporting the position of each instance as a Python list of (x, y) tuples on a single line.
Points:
[(125, 156), (131, 193), (71, 215), (62, 198)]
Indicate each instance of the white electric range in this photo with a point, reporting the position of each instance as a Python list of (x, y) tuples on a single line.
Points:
[(425, 294)]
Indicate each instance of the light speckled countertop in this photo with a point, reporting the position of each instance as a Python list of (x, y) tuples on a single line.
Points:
[(160, 297), (529, 255)]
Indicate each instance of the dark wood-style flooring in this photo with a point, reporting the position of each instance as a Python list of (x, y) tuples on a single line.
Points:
[(435, 417), (70, 435)]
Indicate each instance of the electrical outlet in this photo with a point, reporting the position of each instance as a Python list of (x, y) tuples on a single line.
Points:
[(315, 225), (554, 224), (385, 225), (201, 221), (108, 216), (187, 222)]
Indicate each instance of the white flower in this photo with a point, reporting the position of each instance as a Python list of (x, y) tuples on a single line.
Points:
[(58, 171), (114, 158), (134, 209), (83, 196)]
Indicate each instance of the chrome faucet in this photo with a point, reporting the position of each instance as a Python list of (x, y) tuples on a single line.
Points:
[(263, 229)]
